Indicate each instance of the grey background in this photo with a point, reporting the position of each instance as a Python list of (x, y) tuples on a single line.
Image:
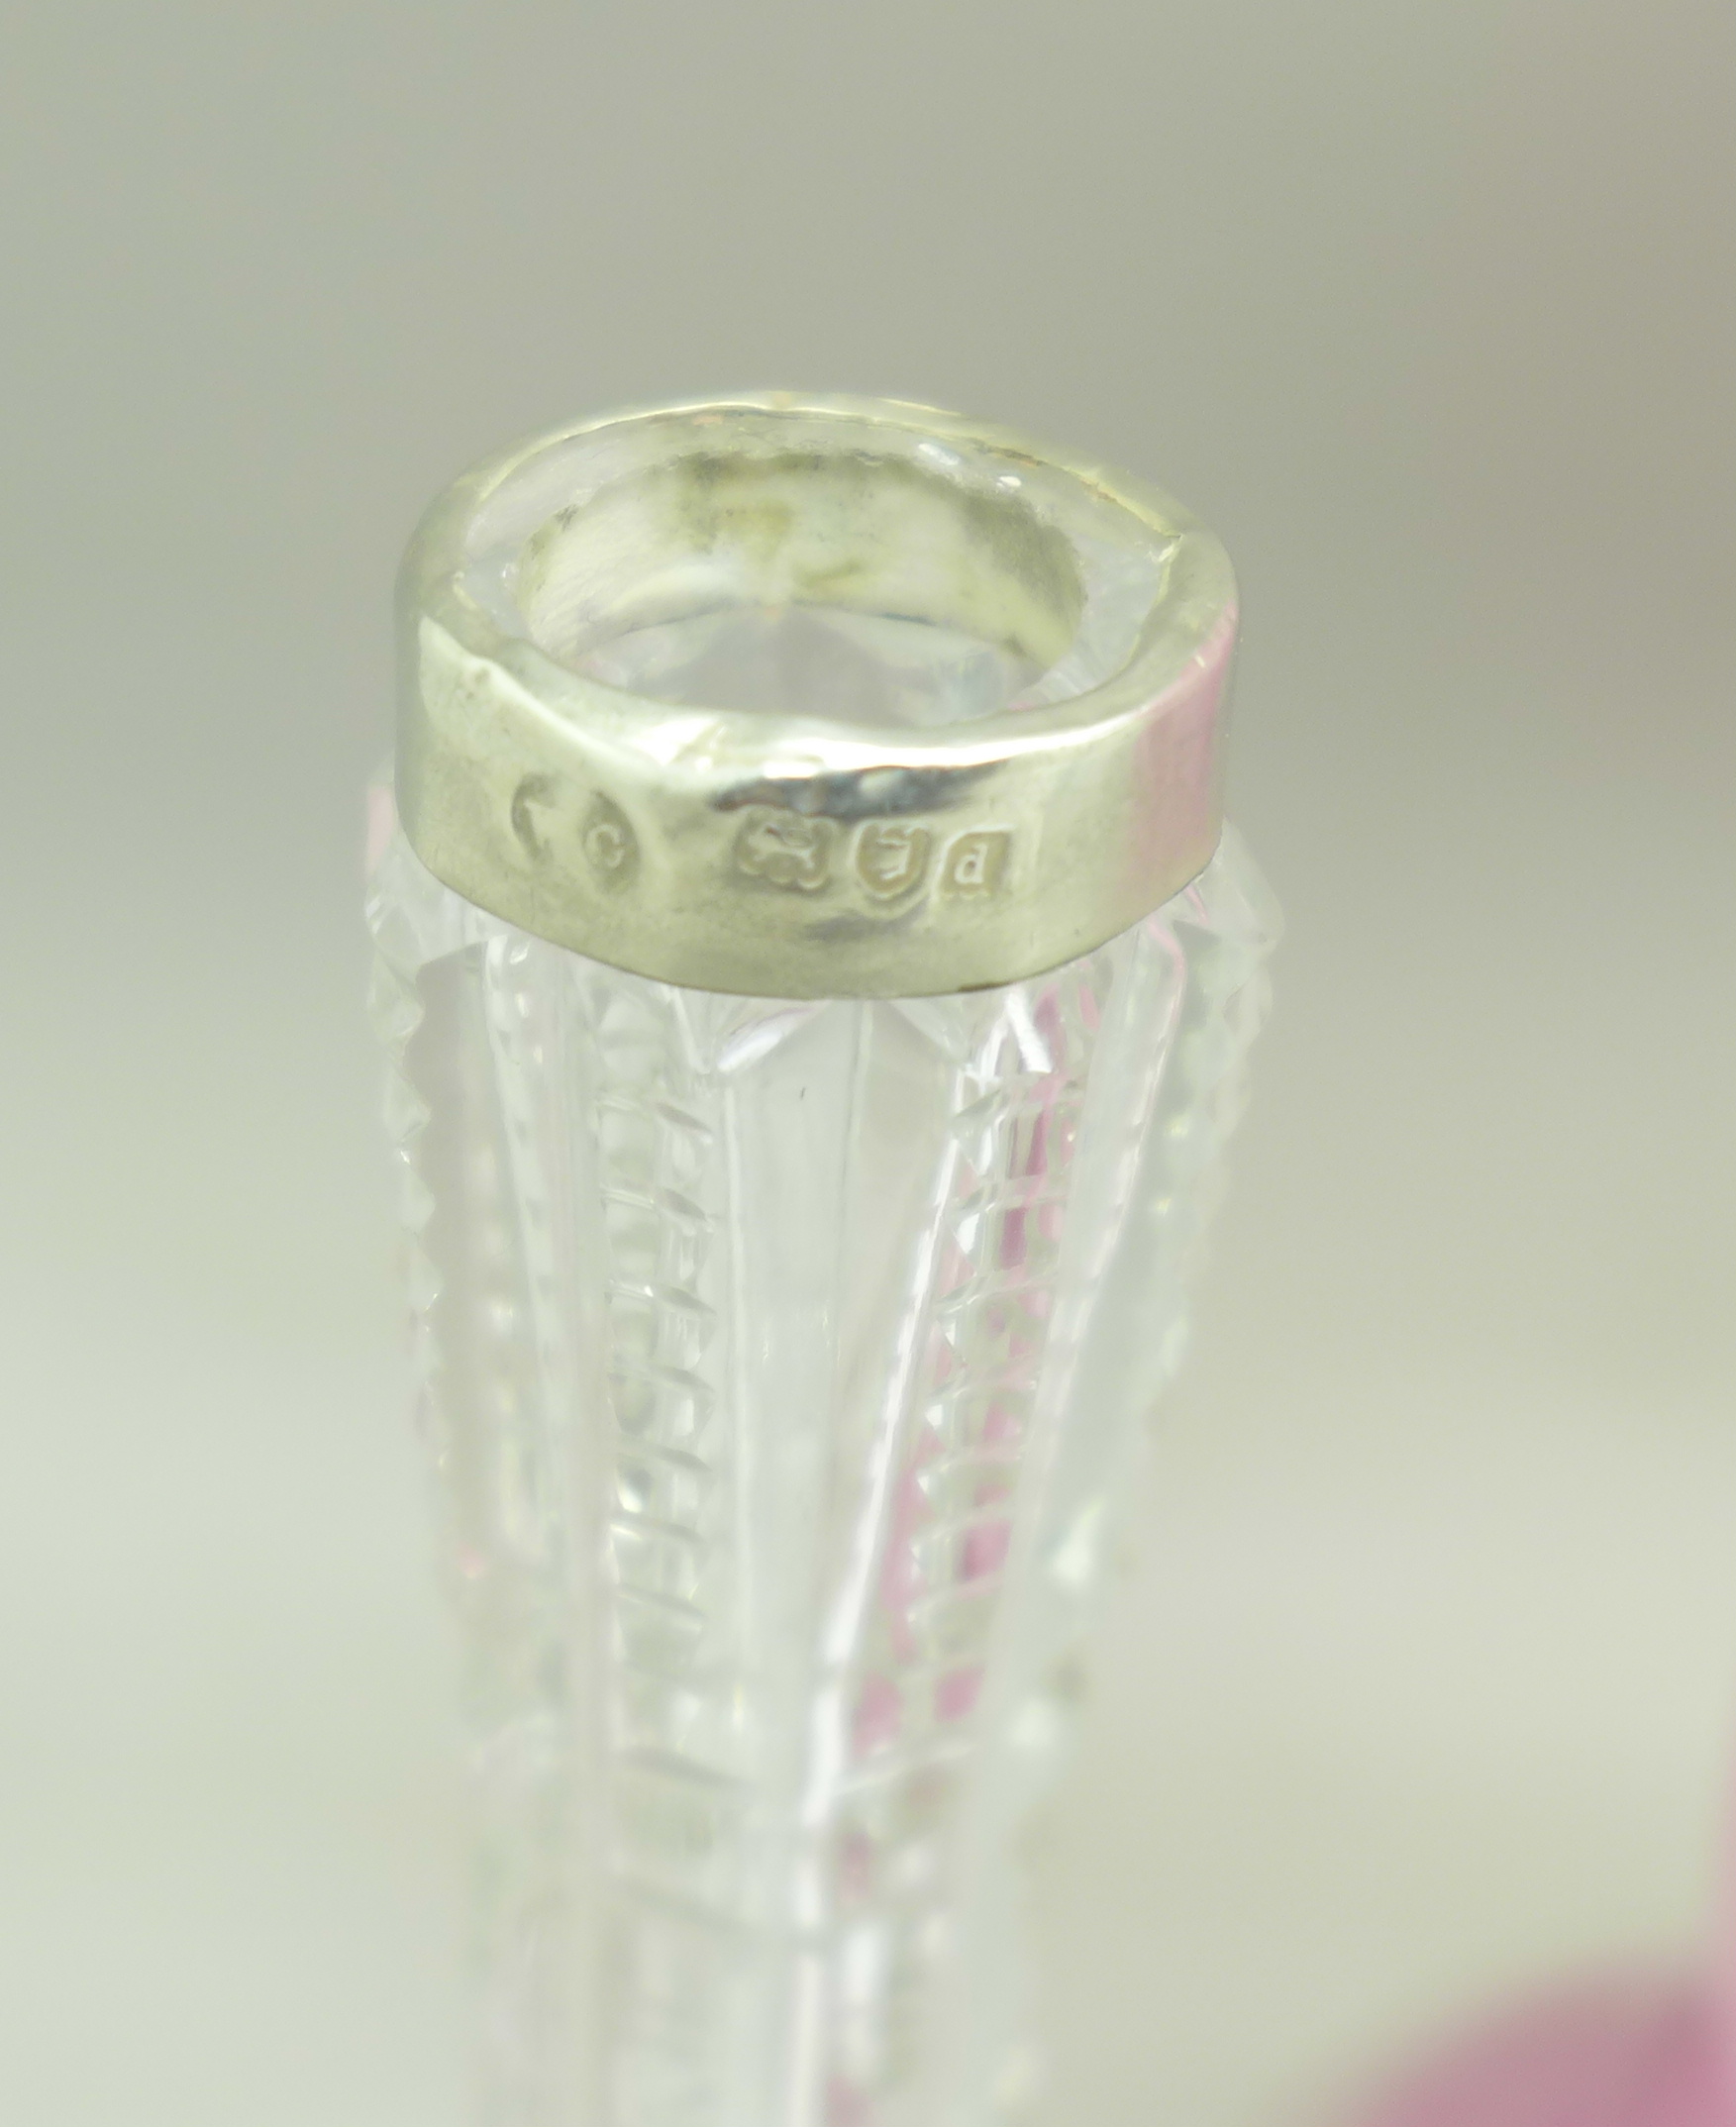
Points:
[(1423, 1689)]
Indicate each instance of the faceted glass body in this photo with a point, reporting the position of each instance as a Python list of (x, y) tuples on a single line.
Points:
[(783, 1365)]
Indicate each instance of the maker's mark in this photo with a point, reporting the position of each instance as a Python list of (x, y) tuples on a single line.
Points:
[(531, 802), (547, 815), (611, 849)]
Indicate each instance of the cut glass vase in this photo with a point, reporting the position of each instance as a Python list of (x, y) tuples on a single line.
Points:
[(818, 985)]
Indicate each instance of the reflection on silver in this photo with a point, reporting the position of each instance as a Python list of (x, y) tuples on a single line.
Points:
[(805, 697)]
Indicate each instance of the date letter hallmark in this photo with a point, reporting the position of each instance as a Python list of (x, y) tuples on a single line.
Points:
[(786, 849), (892, 858), (977, 862)]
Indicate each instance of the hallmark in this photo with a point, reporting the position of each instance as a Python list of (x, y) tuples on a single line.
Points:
[(535, 795), (540, 813), (891, 857), (610, 846), (977, 862), (786, 849)]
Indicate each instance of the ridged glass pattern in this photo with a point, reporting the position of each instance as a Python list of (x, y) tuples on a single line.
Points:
[(781, 1364)]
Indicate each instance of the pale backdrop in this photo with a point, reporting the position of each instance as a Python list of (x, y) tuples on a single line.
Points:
[(1425, 1686)]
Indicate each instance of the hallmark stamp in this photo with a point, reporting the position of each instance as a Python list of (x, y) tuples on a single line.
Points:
[(891, 857), (786, 849), (611, 849), (534, 795), (542, 816), (976, 863)]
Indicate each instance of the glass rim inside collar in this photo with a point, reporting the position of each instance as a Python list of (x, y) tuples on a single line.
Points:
[(754, 560)]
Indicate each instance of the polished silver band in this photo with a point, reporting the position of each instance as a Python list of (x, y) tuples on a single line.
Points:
[(809, 856)]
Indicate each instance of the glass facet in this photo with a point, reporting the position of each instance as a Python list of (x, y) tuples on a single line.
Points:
[(783, 1365)]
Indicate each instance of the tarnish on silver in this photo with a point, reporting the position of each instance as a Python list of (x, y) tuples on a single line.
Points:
[(809, 856)]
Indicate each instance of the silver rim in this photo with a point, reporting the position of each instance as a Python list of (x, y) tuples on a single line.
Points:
[(808, 856)]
